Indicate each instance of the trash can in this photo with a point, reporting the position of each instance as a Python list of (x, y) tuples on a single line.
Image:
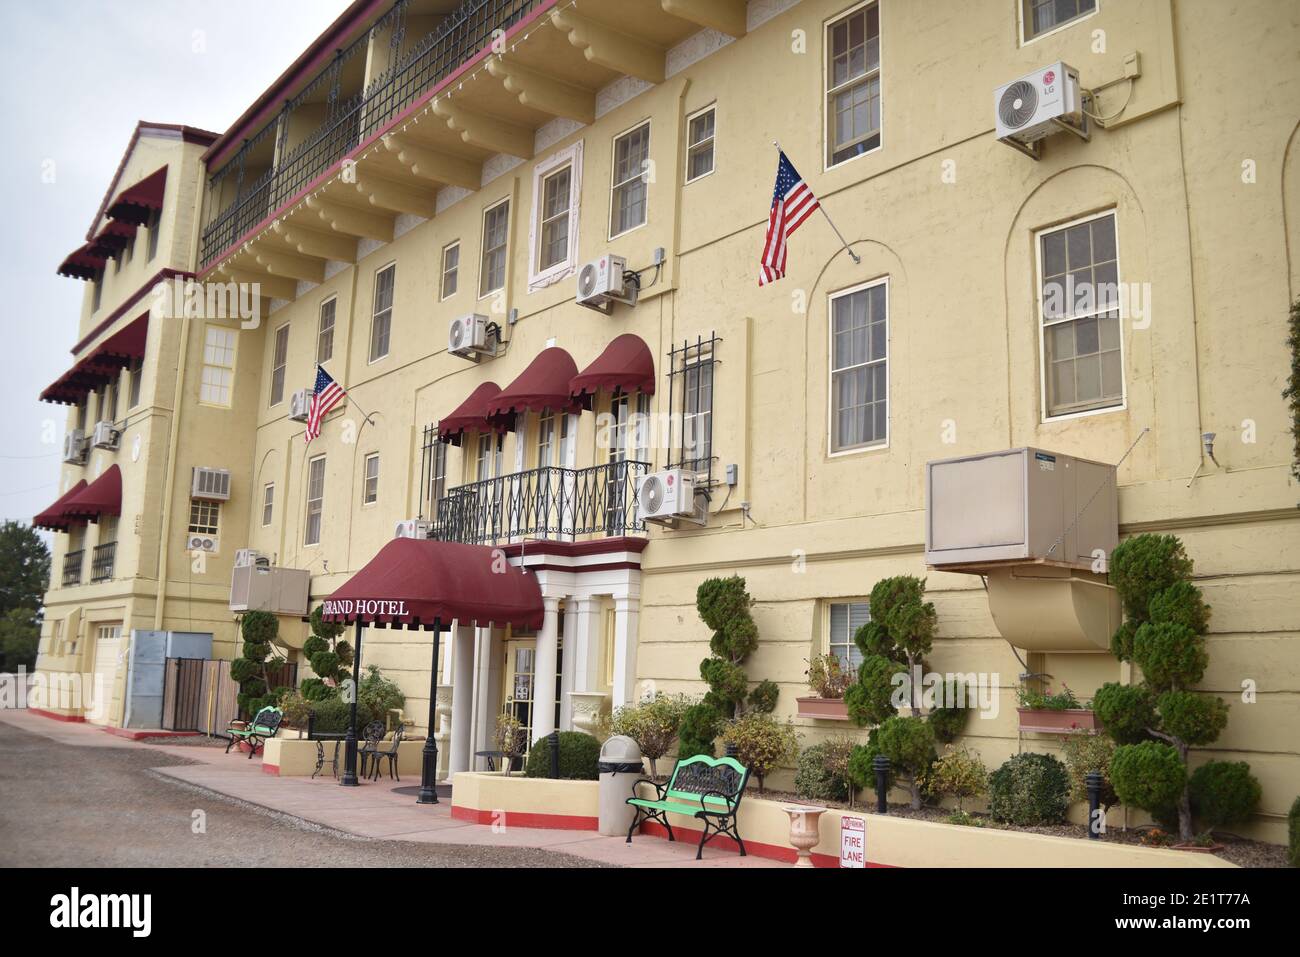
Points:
[(620, 767)]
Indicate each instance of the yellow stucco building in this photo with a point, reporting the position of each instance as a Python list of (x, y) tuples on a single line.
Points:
[(525, 237)]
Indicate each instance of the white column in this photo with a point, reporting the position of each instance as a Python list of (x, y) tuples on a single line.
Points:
[(482, 728), (586, 643), (462, 697), (544, 670), (567, 666), (626, 612)]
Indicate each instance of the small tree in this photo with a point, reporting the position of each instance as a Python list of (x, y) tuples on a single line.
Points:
[(908, 742), (1164, 634), (724, 605), (329, 656), (762, 743), (960, 774), (259, 629), (652, 724)]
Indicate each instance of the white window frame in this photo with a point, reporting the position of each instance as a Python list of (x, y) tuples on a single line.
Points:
[(367, 498), (279, 365), (828, 642), (1043, 413), (572, 158), (831, 370), (613, 171), (1020, 19), (827, 117), (200, 508), (229, 386), (375, 311), (334, 323), (443, 294), (712, 140), (318, 502), (482, 252), (268, 504)]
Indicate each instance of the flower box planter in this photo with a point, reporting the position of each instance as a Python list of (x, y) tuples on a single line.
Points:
[(1044, 721), (823, 709)]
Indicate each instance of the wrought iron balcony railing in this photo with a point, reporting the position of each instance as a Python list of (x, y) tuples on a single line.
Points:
[(551, 503), (464, 32), (72, 563), (101, 562)]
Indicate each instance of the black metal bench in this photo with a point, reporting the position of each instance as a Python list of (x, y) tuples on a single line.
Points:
[(707, 789)]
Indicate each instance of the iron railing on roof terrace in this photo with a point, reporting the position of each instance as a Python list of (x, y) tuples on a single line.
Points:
[(460, 36)]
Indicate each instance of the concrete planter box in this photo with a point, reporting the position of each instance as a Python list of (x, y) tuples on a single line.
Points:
[(296, 757), (823, 709), (1058, 722), (489, 797)]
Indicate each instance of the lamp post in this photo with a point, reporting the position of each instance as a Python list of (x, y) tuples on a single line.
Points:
[(429, 765), (350, 742)]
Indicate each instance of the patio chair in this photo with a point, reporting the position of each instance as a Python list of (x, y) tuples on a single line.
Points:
[(390, 753), (373, 733)]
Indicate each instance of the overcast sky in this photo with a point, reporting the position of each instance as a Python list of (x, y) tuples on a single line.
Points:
[(75, 77)]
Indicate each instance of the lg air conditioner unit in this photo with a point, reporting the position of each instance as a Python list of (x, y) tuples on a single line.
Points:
[(300, 405), (212, 485), (105, 436), (413, 528), (201, 543), (250, 556), (1047, 101), (605, 281), (74, 447), (667, 495), (468, 336)]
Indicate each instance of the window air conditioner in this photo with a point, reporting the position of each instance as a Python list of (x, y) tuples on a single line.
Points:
[(201, 543), (663, 496), (211, 484)]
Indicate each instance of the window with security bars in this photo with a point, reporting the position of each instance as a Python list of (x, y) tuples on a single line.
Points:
[(278, 362), (1041, 16), (859, 413), (845, 618), (205, 517), (315, 500), (692, 371), (492, 269), (628, 190), (853, 84), (325, 331), (1083, 366), (382, 321)]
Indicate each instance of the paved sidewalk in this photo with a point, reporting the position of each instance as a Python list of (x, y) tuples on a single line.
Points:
[(373, 810)]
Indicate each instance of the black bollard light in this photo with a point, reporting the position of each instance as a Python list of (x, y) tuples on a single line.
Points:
[(1096, 823), (880, 764), (554, 740)]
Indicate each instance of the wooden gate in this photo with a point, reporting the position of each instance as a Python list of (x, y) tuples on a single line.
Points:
[(199, 695)]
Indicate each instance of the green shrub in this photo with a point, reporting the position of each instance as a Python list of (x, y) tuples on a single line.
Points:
[(1149, 775), (949, 723), (1223, 792), (313, 646), (1142, 567), (698, 731), (869, 700), (313, 689), (1125, 711), (325, 664), (332, 714), (241, 669), (259, 627), (762, 743), (1195, 718), (901, 628), (328, 630), (763, 696), (1293, 832), (1084, 753), (814, 779), (909, 745), (652, 724), (1170, 654), (1029, 789), (724, 606), (861, 772), (296, 708), (960, 774), (579, 757), (377, 696)]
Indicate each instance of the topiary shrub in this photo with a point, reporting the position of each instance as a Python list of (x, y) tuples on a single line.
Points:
[(868, 700), (724, 606), (698, 731), (762, 743), (763, 696), (1149, 775), (1293, 832), (909, 745), (814, 779), (313, 646), (1223, 792), (313, 689), (959, 774), (1029, 789), (579, 757)]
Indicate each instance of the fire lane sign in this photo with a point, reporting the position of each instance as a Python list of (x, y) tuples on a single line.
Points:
[(853, 841)]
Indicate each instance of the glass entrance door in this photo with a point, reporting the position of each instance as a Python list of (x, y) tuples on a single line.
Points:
[(517, 689)]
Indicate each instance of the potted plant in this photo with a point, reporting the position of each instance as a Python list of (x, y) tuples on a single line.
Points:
[(1048, 712), (828, 681)]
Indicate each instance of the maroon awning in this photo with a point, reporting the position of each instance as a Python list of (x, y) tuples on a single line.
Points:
[(413, 581), (112, 238), (626, 365), (137, 203), (543, 385), (85, 262), (470, 416), (101, 497), (52, 518), (101, 364)]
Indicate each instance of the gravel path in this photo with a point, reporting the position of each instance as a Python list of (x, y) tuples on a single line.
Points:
[(71, 806)]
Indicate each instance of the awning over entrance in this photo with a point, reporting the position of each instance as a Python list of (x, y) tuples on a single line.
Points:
[(626, 365), (137, 203), (52, 519), (470, 416), (101, 364), (414, 581), (101, 497), (543, 385)]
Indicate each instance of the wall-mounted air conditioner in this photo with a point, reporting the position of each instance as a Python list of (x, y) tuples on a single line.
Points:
[(259, 586), (211, 484), (605, 281), (1047, 101), (106, 436), (195, 542), (469, 336), (413, 528), (666, 496), (74, 447), (300, 405)]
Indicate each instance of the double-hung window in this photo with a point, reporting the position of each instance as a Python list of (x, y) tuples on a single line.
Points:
[(450, 269), (325, 331), (218, 373), (853, 84), (1044, 16), (628, 189), (556, 189), (846, 617), (382, 320), (859, 403), (370, 482), (315, 500), (278, 362), (268, 503), (496, 233), (699, 143)]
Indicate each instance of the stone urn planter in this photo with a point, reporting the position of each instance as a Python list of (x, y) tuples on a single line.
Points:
[(824, 709), (1044, 721), (805, 831), (587, 708)]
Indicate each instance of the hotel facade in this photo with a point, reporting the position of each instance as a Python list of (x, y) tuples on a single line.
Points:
[(524, 236)]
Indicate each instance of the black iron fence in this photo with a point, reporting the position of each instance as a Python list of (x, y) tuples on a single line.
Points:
[(72, 563), (551, 503), (102, 560)]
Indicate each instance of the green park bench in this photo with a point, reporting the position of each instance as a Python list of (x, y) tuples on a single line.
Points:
[(256, 732), (707, 789)]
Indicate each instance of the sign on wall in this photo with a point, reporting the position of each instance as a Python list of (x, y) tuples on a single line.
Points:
[(853, 842)]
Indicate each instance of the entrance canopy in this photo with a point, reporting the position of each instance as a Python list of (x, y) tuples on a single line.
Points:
[(413, 581)]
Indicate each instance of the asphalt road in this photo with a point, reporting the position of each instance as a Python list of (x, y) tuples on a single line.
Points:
[(68, 806)]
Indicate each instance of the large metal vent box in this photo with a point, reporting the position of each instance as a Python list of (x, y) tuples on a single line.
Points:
[(1019, 506)]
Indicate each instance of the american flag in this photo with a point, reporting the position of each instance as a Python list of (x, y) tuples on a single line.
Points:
[(324, 397), (792, 203)]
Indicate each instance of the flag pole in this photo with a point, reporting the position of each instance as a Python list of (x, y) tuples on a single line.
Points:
[(843, 242), (364, 414)]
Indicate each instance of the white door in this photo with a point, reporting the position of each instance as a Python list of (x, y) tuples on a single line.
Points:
[(98, 698)]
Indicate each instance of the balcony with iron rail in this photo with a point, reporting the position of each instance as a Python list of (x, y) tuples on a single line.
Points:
[(555, 504), (72, 563), (102, 561)]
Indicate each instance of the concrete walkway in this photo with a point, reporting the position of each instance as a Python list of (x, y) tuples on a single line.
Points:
[(373, 810)]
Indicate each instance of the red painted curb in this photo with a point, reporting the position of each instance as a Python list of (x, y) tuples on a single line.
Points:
[(137, 735), (58, 717), (271, 769), (757, 848), (561, 822)]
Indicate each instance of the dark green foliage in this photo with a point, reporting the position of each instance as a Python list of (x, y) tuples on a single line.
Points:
[(344, 650), (328, 630), (861, 771), (256, 651), (332, 714), (1150, 775), (1121, 643), (1182, 604), (325, 664), (1125, 711), (724, 606), (909, 745), (814, 781), (868, 700), (1029, 789), (24, 576), (313, 646), (948, 723), (1223, 792), (313, 689), (259, 627), (241, 670), (377, 695), (1143, 566), (1292, 391), (579, 756), (726, 679), (902, 623), (699, 728), (763, 696), (1293, 832), (1170, 655), (1195, 719)]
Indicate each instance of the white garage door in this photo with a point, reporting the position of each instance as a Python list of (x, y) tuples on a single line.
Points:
[(99, 697)]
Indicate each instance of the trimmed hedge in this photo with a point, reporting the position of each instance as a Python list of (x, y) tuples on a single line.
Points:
[(1030, 789), (1223, 792), (814, 781), (579, 756)]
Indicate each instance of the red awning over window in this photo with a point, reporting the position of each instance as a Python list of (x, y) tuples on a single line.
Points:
[(137, 203), (52, 518), (470, 416), (101, 497), (85, 263), (112, 238), (101, 364), (543, 385), (626, 365), (413, 581)]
